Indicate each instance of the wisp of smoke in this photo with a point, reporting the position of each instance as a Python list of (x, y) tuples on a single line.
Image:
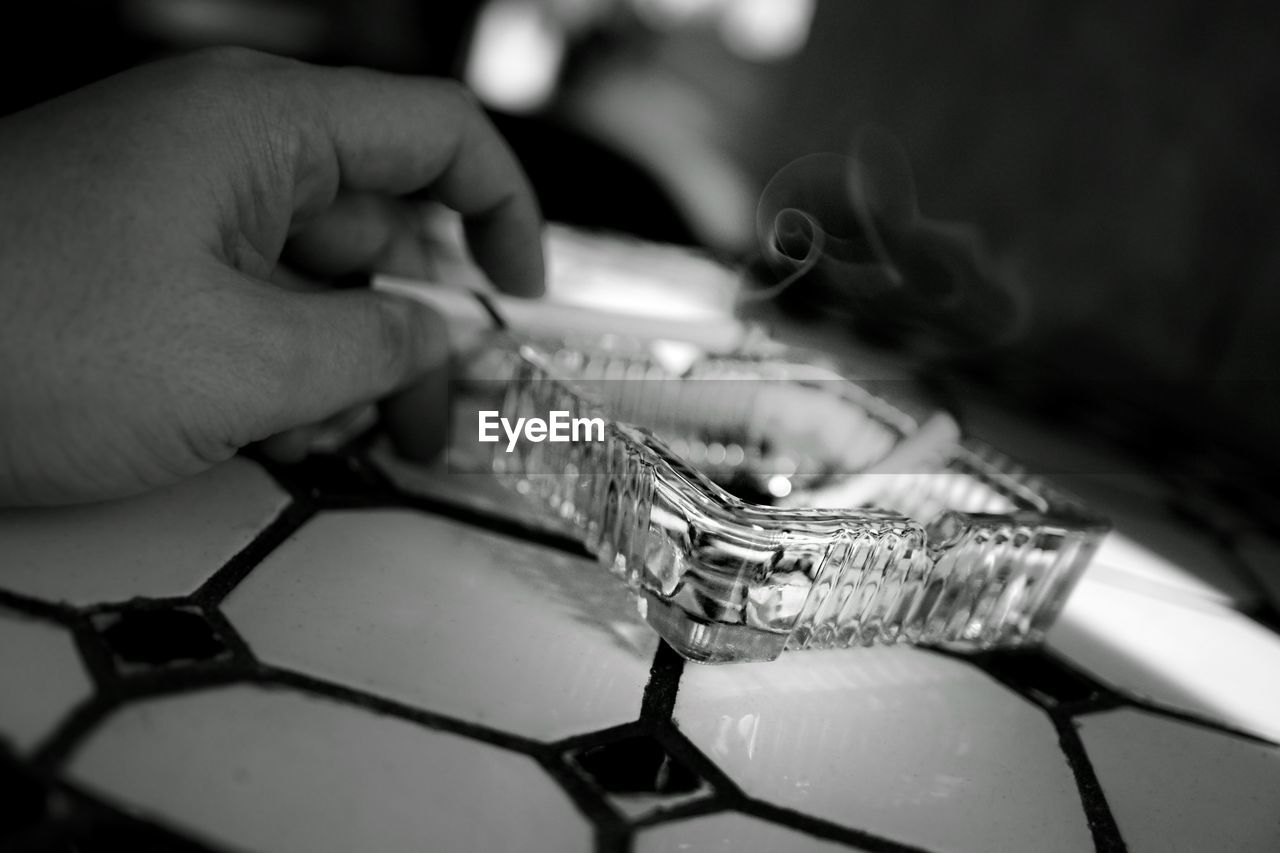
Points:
[(843, 235)]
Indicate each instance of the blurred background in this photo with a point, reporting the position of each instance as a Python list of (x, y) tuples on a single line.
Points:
[(1118, 162)]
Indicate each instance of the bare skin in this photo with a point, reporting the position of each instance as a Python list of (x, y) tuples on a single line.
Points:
[(142, 221)]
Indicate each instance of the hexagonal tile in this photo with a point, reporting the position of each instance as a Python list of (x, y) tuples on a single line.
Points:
[(1173, 786), (450, 618), (1195, 656), (270, 769), (41, 678), (877, 739), (162, 543), (730, 833)]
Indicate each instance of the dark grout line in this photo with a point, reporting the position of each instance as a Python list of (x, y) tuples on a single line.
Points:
[(49, 755), (680, 747), (683, 811), (95, 656), (219, 585), (1097, 811), (609, 840), (113, 690), (272, 675), (600, 737), (1108, 700), (613, 834), (137, 602), (240, 651), (62, 614), (664, 684)]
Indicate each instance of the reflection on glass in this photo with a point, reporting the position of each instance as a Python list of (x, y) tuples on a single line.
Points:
[(872, 539)]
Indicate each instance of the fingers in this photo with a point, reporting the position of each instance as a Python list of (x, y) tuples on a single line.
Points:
[(403, 135), (302, 357), (294, 445), (417, 419), (367, 232), (355, 234), (290, 446)]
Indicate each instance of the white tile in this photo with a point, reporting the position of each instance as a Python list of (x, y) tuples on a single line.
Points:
[(162, 543), (1196, 656), (450, 618), (41, 678), (1173, 786), (898, 742), (270, 769), (730, 833)]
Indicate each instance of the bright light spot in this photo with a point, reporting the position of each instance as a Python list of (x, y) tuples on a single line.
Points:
[(515, 56), (779, 486), (734, 455), (629, 277), (676, 357), (766, 30)]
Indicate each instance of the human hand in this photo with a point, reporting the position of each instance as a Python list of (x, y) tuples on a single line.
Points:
[(142, 220)]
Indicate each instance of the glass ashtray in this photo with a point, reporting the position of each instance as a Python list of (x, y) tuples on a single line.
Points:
[(753, 505)]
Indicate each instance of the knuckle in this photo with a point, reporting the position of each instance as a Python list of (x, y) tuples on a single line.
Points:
[(218, 75), (240, 79)]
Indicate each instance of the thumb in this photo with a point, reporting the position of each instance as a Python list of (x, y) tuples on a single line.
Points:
[(337, 349)]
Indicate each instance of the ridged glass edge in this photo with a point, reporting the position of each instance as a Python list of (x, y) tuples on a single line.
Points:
[(724, 580)]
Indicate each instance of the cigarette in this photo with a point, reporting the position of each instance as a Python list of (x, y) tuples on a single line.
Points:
[(549, 318)]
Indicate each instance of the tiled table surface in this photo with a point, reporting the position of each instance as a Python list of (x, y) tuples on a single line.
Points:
[(354, 655)]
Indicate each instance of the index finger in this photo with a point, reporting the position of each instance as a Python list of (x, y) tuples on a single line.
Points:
[(402, 135)]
